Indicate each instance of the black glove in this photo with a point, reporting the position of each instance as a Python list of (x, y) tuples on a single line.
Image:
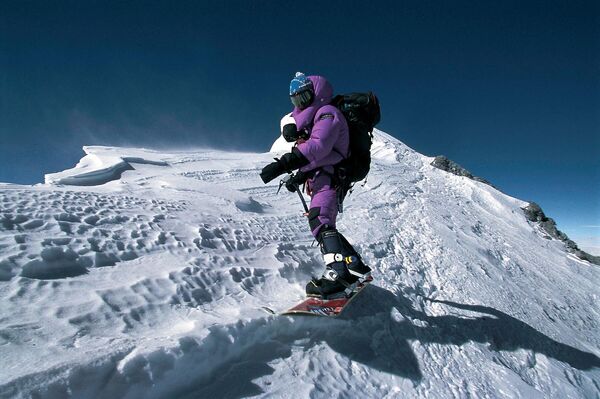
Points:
[(290, 132), (296, 180), (287, 163), (271, 171)]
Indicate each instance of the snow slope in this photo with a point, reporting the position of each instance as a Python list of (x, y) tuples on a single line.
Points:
[(142, 274)]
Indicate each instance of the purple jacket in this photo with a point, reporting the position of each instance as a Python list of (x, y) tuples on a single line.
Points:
[(326, 126)]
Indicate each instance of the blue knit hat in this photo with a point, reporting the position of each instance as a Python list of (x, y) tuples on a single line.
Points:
[(300, 83)]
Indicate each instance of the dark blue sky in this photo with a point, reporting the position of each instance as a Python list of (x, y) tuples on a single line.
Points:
[(508, 89)]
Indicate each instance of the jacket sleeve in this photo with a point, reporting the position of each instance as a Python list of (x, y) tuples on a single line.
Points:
[(322, 138)]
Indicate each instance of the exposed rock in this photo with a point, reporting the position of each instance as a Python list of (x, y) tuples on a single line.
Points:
[(534, 213), (443, 163)]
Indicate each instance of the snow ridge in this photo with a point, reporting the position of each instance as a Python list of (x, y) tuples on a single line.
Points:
[(151, 284)]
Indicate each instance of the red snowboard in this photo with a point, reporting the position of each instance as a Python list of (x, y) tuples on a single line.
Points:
[(324, 307)]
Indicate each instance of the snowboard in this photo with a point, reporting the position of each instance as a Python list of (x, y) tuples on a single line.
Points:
[(324, 307)]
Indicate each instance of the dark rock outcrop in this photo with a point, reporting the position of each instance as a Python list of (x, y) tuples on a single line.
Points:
[(443, 163), (534, 213)]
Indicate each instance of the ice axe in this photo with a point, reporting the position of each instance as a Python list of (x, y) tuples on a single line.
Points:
[(284, 181)]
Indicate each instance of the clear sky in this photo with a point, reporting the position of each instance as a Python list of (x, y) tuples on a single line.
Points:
[(508, 89)]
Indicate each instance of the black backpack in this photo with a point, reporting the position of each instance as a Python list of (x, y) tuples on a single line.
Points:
[(362, 113)]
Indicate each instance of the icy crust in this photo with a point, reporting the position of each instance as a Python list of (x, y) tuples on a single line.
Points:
[(152, 286)]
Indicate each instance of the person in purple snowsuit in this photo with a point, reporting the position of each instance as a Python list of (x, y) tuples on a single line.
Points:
[(322, 141)]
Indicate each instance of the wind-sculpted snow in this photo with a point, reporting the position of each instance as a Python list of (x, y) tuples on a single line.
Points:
[(57, 234), (153, 285), (98, 167)]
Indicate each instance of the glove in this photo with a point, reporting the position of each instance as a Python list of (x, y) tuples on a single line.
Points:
[(290, 133), (287, 163), (271, 171), (293, 182)]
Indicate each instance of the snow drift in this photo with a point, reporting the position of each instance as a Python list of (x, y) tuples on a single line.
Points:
[(144, 274)]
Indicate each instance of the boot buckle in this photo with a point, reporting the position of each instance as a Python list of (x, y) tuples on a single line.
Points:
[(330, 275)]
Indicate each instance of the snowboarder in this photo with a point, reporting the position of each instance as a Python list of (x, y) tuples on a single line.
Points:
[(322, 141)]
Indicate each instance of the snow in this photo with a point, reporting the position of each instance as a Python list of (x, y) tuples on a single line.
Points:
[(280, 145), (101, 165), (140, 273)]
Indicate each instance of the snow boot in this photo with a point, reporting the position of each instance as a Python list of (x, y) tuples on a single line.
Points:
[(354, 262), (337, 279), (326, 288)]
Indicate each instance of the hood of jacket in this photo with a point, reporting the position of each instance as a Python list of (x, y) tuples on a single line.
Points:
[(323, 95)]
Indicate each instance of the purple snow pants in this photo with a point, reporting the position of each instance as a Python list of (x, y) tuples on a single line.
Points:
[(323, 203)]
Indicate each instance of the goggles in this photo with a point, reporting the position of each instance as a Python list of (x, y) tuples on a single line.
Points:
[(302, 99)]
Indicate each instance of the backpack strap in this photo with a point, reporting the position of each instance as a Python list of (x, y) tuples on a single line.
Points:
[(339, 152)]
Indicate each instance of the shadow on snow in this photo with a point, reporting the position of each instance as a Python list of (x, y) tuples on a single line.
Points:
[(379, 341), (375, 331)]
